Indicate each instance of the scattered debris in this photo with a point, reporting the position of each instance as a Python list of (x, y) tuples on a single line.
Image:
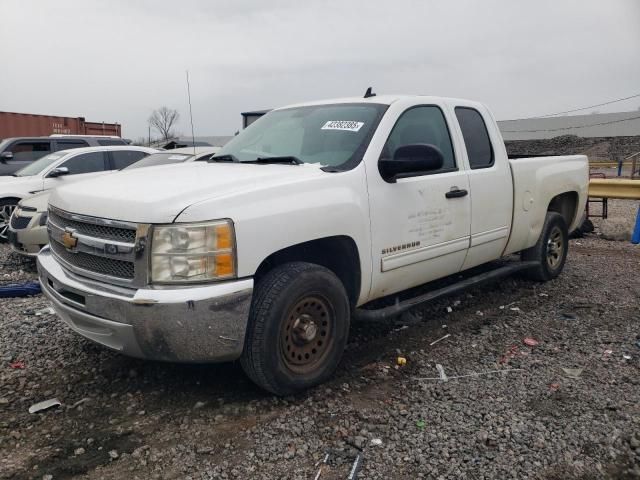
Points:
[(18, 365), (421, 424), (443, 376), (401, 361), (45, 405), (568, 315), (457, 303), (20, 290), (113, 454), (542, 294), (322, 467), (554, 387), (512, 352), (355, 468), (449, 309), (531, 342), (573, 372), (79, 451), (515, 309), (479, 313), (199, 405), (79, 402), (441, 338), (606, 353), (490, 372), (376, 442), (626, 357), (45, 311)]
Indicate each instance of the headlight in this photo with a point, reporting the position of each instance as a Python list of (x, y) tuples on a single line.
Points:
[(43, 219), (193, 252)]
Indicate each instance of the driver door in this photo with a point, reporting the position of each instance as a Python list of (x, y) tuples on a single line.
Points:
[(420, 231)]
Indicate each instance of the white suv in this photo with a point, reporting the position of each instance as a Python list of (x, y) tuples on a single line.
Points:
[(60, 168)]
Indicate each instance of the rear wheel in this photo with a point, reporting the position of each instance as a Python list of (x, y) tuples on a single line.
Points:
[(7, 206), (551, 249), (298, 328)]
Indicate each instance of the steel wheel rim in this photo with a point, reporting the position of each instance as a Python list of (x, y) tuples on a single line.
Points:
[(555, 247), (306, 335), (5, 218)]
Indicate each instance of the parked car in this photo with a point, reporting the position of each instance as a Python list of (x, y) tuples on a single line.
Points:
[(265, 252), (18, 152), (59, 168), (28, 225)]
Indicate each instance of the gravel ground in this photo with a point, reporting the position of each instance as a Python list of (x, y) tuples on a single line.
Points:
[(567, 408)]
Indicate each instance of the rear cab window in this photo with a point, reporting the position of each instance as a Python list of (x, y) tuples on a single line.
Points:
[(476, 137)]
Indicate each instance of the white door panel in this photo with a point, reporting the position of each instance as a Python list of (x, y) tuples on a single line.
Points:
[(420, 235)]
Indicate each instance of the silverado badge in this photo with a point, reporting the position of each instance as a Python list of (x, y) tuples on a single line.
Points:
[(68, 240)]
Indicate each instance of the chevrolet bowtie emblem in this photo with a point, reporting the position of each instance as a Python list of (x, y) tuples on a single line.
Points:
[(68, 240)]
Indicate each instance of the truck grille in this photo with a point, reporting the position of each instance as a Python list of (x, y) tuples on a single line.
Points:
[(94, 253), (19, 223), (99, 231), (94, 263)]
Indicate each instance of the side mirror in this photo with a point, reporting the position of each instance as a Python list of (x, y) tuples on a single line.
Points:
[(411, 160), (4, 156), (58, 171)]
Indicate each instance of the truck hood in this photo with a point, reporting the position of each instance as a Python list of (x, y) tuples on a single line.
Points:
[(159, 194)]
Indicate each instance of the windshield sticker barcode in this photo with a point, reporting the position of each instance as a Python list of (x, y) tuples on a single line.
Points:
[(349, 125)]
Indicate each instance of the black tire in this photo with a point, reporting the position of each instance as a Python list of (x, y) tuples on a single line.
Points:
[(299, 310), (550, 251), (7, 205)]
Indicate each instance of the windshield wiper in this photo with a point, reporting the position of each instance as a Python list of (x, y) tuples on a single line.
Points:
[(228, 157), (224, 158), (282, 159)]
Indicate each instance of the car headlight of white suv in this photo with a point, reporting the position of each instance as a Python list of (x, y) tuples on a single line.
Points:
[(196, 252)]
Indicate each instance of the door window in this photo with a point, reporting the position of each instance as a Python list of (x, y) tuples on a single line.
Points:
[(476, 137), (124, 158), (86, 163), (28, 151), (422, 125)]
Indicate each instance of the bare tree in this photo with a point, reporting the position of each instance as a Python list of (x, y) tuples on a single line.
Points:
[(163, 120)]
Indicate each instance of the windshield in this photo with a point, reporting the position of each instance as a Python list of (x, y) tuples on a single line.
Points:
[(159, 159), (34, 168), (330, 135)]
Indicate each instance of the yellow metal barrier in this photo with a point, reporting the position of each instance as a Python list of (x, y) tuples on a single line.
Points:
[(612, 188)]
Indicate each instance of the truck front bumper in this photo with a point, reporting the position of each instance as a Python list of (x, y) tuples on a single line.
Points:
[(180, 324)]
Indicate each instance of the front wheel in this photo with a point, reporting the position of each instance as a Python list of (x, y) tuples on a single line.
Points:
[(298, 328), (7, 206), (550, 251)]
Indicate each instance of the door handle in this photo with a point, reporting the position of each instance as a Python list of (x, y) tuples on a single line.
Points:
[(456, 192)]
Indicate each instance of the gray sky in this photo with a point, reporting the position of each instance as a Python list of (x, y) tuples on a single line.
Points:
[(117, 60)]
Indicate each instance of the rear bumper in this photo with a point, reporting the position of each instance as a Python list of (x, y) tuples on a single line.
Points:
[(192, 324)]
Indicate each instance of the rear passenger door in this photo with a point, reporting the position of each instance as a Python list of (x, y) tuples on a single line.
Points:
[(490, 183), (82, 166)]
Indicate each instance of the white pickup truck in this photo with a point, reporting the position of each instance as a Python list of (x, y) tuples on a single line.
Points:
[(267, 251)]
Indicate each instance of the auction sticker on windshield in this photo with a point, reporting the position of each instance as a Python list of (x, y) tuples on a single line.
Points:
[(349, 125)]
